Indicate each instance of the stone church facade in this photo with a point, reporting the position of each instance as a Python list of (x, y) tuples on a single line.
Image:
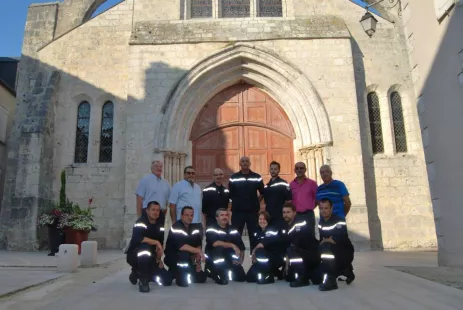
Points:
[(203, 83)]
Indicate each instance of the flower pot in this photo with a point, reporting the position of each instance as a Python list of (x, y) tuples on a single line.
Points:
[(76, 237), (55, 238)]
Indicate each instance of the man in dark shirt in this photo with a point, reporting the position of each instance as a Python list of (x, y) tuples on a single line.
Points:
[(184, 250), (145, 250), (276, 193), (243, 187), (302, 254), (224, 251), (337, 251), (215, 196)]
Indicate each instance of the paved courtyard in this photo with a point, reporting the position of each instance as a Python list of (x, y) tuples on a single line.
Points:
[(376, 287)]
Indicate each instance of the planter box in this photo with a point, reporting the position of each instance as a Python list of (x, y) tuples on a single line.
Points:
[(76, 237)]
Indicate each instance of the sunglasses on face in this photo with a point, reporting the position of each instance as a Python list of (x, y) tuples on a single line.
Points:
[(190, 172)]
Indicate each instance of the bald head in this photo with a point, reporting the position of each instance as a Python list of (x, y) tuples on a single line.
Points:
[(245, 163), (217, 176), (326, 174)]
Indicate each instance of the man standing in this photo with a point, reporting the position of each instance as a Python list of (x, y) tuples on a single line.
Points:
[(335, 191), (145, 250), (276, 193), (304, 191), (184, 250), (243, 188), (153, 188), (215, 196), (224, 251), (186, 193)]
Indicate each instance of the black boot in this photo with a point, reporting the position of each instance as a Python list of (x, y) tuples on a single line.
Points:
[(265, 279), (133, 277), (299, 281), (144, 286), (329, 284), (350, 276)]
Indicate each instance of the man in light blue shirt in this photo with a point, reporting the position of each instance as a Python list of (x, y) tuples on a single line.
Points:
[(153, 188), (334, 190), (186, 193)]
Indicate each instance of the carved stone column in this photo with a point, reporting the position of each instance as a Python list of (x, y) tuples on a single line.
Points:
[(313, 156), (174, 163)]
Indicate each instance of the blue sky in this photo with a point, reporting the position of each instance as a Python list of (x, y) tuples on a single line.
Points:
[(13, 17)]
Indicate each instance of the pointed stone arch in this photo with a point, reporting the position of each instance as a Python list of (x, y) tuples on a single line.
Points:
[(243, 62)]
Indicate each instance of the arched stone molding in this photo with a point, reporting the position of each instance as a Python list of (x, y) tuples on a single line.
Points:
[(243, 62)]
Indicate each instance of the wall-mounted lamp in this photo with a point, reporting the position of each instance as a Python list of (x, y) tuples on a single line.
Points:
[(369, 22)]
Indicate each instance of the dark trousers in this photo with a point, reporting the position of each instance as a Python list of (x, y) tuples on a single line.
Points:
[(335, 258), (143, 262), (219, 265), (266, 263), (302, 265), (183, 268), (309, 216), (250, 219)]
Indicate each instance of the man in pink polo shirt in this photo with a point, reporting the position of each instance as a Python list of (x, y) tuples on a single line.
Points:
[(304, 192)]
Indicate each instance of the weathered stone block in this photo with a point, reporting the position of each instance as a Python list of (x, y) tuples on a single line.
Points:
[(67, 258), (89, 253)]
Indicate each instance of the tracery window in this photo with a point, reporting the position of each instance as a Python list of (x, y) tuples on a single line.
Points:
[(270, 8), (82, 133), (201, 8), (398, 123), (106, 134), (374, 115), (236, 8)]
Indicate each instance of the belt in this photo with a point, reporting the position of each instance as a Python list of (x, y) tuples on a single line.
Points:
[(304, 212)]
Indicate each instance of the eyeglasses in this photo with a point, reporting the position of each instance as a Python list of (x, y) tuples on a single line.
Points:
[(300, 168), (190, 172)]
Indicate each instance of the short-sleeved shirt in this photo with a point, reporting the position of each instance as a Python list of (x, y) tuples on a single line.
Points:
[(304, 194), (334, 191), (276, 193), (186, 194), (153, 188)]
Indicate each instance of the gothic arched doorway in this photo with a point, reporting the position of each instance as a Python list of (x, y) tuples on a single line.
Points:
[(240, 121)]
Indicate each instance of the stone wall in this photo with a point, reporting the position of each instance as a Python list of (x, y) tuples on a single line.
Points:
[(381, 64), (93, 59)]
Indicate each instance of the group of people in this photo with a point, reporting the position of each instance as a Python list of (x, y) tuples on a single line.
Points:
[(279, 218)]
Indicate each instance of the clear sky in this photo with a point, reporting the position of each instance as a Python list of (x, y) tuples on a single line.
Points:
[(13, 17)]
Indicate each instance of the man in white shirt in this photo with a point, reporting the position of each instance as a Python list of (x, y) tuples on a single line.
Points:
[(153, 188), (186, 193)]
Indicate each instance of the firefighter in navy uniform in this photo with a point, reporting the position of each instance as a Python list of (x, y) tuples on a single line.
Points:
[(224, 251), (337, 251), (269, 253), (145, 250), (215, 196), (302, 253), (243, 187), (276, 193), (184, 250)]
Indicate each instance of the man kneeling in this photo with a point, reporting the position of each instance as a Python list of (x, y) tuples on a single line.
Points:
[(337, 252), (224, 251), (302, 255), (145, 250), (184, 250)]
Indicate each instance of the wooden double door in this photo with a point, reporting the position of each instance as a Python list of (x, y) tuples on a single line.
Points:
[(242, 120)]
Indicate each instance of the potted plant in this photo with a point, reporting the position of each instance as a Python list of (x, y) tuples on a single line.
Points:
[(51, 220), (77, 224)]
